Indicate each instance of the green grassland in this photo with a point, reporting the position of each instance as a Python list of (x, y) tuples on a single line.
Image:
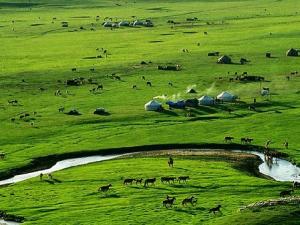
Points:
[(37, 49), (215, 179)]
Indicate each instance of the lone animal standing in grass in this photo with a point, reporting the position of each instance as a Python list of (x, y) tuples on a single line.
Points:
[(286, 144), (41, 176), (215, 209), (169, 202), (105, 188), (286, 193), (149, 181), (171, 162), (191, 200), (149, 84)]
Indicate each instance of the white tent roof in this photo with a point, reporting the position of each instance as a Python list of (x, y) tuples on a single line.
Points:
[(206, 100), (152, 105), (226, 96)]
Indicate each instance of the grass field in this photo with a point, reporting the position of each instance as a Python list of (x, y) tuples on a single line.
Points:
[(215, 179), (36, 52)]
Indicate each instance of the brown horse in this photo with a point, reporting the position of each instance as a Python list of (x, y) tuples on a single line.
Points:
[(215, 209), (149, 181), (190, 200), (105, 188), (169, 202)]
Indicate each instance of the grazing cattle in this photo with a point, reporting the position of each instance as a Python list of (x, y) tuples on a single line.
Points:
[(61, 109), (215, 209), (105, 188), (205, 33), (228, 139), (183, 179), (286, 193), (143, 78), (149, 181), (128, 181), (117, 77), (13, 119), (252, 108), (13, 102), (231, 79), (2, 155), (169, 202), (296, 184), (42, 89), (170, 84), (92, 69), (286, 144), (134, 87), (191, 200), (74, 69), (149, 84), (138, 181)]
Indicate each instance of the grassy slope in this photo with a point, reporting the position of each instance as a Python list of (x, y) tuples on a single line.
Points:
[(44, 54), (75, 200)]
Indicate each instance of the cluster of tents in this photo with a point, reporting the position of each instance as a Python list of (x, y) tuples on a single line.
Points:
[(137, 23), (205, 100)]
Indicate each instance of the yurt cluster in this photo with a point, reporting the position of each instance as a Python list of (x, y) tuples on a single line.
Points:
[(204, 100)]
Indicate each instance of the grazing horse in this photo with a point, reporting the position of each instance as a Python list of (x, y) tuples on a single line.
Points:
[(149, 84), (138, 181), (215, 209), (149, 181), (128, 181), (286, 193), (228, 139), (296, 184), (169, 202), (104, 188), (167, 179), (191, 200), (183, 179), (171, 162)]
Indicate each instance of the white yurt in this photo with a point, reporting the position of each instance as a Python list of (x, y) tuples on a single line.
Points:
[(264, 92), (226, 97), (206, 100), (153, 106)]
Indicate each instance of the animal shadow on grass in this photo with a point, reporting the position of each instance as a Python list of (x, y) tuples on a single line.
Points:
[(110, 195), (49, 181), (56, 180), (190, 209)]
